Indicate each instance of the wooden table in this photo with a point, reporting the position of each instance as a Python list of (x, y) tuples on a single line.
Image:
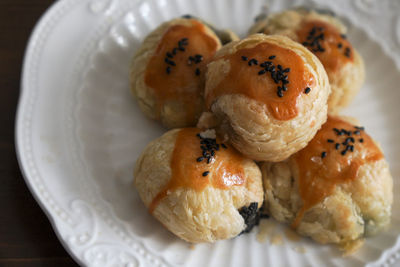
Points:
[(26, 236)]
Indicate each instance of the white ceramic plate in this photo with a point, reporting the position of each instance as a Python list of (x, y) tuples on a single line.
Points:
[(79, 132)]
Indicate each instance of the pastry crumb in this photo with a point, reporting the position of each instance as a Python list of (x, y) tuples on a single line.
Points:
[(300, 249), (276, 239)]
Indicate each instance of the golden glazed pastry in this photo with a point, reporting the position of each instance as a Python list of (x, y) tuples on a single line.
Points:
[(324, 35), (338, 189), (167, 71), (268, 94), (199, 188)]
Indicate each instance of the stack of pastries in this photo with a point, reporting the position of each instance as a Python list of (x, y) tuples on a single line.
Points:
[(255, 131)]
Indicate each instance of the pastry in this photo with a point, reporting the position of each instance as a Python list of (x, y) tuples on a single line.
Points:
[(268, 94), (199, 188), (338, 189), (325, 36), (167, 71)]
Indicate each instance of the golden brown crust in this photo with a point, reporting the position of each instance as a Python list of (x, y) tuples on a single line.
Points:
[(345, 81), (171, 112), (195, 216), (249, 124), (357, 208)]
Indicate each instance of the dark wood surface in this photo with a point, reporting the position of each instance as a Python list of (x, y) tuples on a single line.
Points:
[(26, 236)]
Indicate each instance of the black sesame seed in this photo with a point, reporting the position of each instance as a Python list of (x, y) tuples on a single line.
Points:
[(169, 55), (307, 90), (206, 173), (208, 147), (339, 45), (266, 64), (168, 70), (273, 76), (347, 52), (197, 71), (337, 145), (343, 36), (184, 41), (330, 141), (244, 58), (359, 128), (271, 57), (261, 72), (170, 62), (224, 146), (343, 152), (277, 73), (174, 51), (181, 48), (253, 61), (314, 39), (357, 132), (351, 148), (199, 58), (323, 154), (361, 140)]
